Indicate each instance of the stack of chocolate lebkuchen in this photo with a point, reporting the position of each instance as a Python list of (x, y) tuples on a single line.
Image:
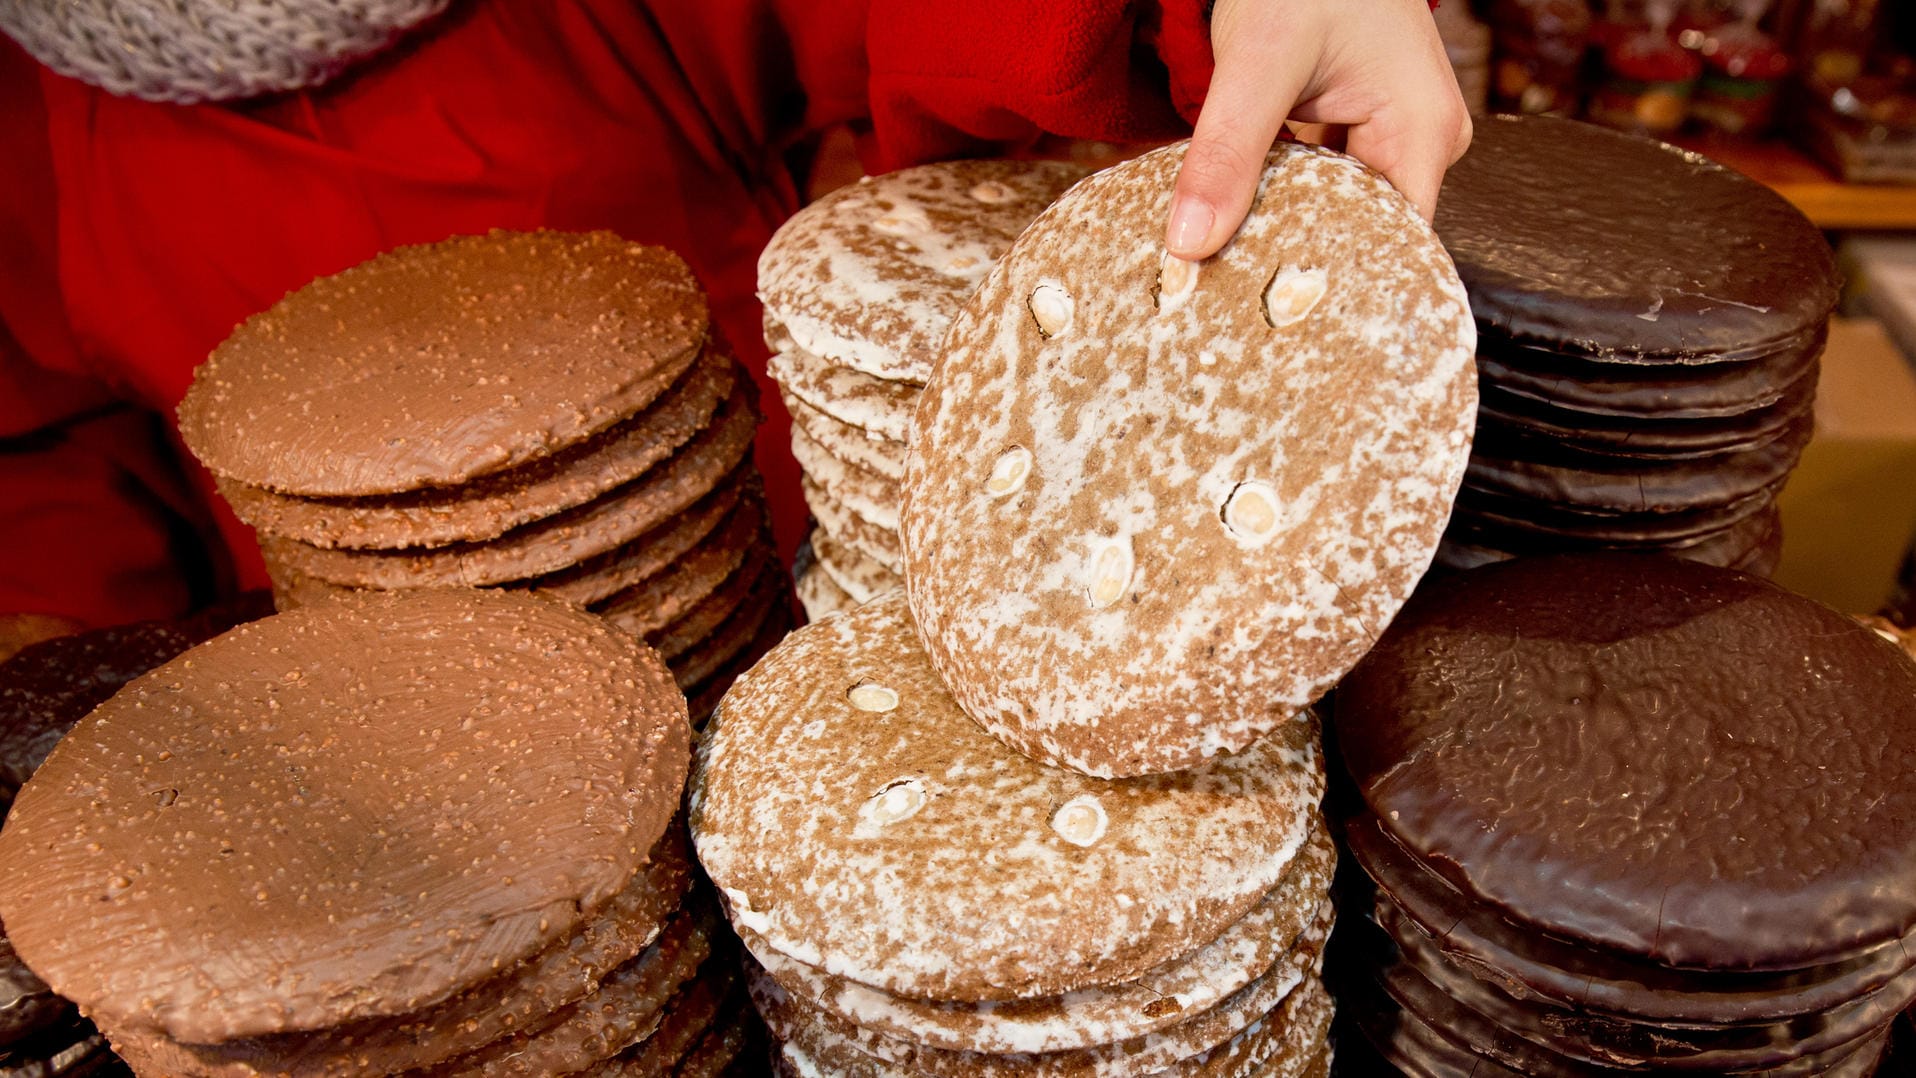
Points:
[(428, 832), (1621, 814), (538, 410), (858, 290), (1649, 327)]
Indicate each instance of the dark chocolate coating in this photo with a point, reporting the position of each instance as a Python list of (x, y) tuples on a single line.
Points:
[(1422, 1030), (1617, 246), (1718, 390), (1657, 437), (1596, 527), (1530, 965), (1606, 1040), (73, 1049), (27, 1005), (1474, 539), (1556, 475), (1689, 765)]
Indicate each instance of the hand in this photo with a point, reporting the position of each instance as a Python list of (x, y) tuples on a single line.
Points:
[(1375, 67)]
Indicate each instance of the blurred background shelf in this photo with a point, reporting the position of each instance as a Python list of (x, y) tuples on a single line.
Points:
[(1813, 188)]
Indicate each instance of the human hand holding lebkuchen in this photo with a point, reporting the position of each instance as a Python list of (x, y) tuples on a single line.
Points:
[(1374, 67)]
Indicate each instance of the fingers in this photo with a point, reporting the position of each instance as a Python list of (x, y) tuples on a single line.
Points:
[(1413, 148), (1251, 92)]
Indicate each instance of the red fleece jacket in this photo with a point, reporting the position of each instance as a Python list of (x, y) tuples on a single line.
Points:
[(136, 235)]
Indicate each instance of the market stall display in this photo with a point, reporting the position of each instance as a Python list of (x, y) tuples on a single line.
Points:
[(1649, 327), (869, 841), (525, 410), (1624, 814), (432, 830)]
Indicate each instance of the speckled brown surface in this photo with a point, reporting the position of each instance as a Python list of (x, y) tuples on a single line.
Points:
[(710, 999), (869, 276), (1143, 410), (430, 365), (757, 578), (781, 812), (235, 825), (861, 577), (820, 595), (877, 406), (666, 595), (1610, 749), (1291, 1031), (1176, 992), (859, 489), (883, 456), (712, 459), (495, 504), (523, 995), (627, 1008), (49, 686), (764, 609), (703, 696), (736, 503), (874, 541)]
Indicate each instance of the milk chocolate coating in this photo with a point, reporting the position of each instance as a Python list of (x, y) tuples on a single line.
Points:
[(429, 365), (1621, 247), (348, 811), (1689, 765)]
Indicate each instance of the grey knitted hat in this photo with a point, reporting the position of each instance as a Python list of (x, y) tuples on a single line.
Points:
[(188, 51)]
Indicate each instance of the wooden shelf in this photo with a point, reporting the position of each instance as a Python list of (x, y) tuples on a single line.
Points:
[(1823, 198)]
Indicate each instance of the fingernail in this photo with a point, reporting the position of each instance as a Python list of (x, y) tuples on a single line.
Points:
[(1191, 222)]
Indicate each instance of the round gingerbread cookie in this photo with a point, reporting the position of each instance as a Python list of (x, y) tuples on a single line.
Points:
[(820, 595), (1204, 987), (869, 276), (427, 366), (1624, 249), (854, 398), (1609, 749), (856, 821), (873, 542), (253, 824), (882, 456), (495, 504), (717, 457), (1153, 508), (857, 575)]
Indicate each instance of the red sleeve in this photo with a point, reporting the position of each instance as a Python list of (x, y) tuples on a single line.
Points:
[(955, 77)]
